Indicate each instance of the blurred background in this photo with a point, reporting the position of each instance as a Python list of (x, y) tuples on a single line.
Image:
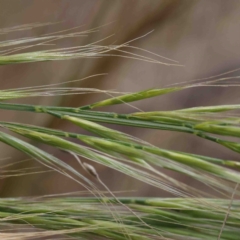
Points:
[(202, 35)]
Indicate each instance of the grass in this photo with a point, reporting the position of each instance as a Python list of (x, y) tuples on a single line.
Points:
[(191, 214), (86, 217)]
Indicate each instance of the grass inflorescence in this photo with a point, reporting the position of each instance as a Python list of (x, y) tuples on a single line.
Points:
[(86, 217), (191, 214)]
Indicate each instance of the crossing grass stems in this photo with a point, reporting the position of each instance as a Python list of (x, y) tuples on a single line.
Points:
[(190, 214)]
